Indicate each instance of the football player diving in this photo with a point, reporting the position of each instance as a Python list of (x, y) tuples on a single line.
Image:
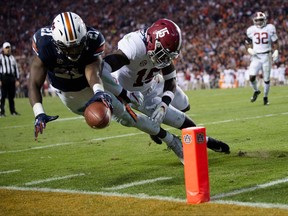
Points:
[(144, 62), (69, 53)]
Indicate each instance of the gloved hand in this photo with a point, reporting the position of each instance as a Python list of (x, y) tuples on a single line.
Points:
[(159, 114), (102, 97), (136, 97), (251, 51), (275, 55), (40, 123)]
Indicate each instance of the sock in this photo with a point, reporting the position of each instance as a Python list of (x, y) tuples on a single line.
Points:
[(254, 85), (165, 136), (266, 89)]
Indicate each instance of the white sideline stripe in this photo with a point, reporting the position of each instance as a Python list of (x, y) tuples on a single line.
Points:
[(53, 179), (139, 196), (143, 196), (135, 134), (132, 184), (244, 190), (251, 204), (9, 171)]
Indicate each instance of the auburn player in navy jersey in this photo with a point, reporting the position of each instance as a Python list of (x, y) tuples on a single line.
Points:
[(71, 65), (69, 52)]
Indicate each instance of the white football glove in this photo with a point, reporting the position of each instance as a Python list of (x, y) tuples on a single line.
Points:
[(136, 97), (159, 114), (275, 55), (251, 51)]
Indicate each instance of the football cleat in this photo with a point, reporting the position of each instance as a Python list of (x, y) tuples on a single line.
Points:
[(177, 148), (218, 146), (255, 95), (265, 100)]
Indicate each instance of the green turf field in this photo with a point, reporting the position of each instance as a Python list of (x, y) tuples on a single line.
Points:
[(69, 156)]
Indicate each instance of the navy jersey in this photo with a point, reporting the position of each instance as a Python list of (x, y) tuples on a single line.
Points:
[(64, 74)]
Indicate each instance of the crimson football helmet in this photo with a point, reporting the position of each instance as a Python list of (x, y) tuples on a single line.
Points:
[(69, 34), (259, 19), (164, 41)]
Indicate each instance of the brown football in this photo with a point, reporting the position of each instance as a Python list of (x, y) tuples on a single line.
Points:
[(97, 115)]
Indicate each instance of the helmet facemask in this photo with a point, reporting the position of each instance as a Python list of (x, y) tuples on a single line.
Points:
[(260, 20), (73, 51), (160, 56), (260, 23)]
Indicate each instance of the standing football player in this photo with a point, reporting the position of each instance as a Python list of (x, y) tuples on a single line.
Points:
[(69, 52), (262, 45), (140, 59)]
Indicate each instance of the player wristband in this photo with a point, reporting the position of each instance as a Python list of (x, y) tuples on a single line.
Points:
[(97, 87), (170, 75), (38, 109)]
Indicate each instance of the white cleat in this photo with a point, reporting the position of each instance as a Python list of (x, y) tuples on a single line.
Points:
[(177, 148)]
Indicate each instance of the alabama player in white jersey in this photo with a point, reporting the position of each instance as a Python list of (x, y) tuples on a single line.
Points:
[(144, 62), (261, 42)]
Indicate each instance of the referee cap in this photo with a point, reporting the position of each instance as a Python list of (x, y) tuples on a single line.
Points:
[(6, 44)]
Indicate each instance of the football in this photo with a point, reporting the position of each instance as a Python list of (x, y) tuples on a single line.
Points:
[(97, 115)]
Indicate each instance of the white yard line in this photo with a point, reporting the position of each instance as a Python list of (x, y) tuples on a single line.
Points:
[(70, 143), (244, 190), (53, 179), (135, 134), (9, 171), (53, 122), (132, 184)]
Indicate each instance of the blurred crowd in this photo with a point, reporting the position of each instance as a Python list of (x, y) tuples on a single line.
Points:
[(213, 30)]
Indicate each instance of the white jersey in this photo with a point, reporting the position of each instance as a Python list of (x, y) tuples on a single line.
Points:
[(262, 37), (136, 76), (141, 75)]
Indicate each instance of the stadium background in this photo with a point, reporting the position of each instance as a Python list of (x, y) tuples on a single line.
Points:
[(213, 31)]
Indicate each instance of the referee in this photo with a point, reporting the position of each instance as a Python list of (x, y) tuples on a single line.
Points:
[(9, 78)]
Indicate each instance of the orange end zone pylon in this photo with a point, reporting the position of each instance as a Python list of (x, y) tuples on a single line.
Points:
[(196, 165)]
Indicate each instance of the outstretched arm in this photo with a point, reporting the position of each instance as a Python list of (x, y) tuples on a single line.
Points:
[(37, 77), (112, 63), (36, 80), (92, 74)]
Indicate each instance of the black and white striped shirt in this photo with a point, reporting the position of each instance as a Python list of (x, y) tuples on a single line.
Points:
[(8, 66)]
